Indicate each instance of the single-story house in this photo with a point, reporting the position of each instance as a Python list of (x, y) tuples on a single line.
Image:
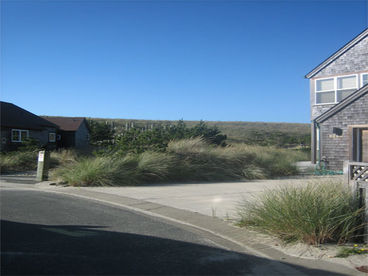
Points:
[(339, 105), (72, 132), (18, 124)]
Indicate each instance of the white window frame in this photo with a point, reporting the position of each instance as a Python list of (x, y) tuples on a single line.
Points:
[(52, 140), (335, 87), (361, 78), (19, 135)]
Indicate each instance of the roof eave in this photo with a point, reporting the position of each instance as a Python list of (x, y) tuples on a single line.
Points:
[(337, 54)]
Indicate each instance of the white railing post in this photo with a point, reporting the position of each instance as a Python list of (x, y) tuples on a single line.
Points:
[(357, 179)]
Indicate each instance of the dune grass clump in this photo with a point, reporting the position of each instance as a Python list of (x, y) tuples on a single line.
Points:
[(132, 169), (316, 213), (201, 161), (62, 157), (186, 160), (26, 160), (18, 161), (198, 161)]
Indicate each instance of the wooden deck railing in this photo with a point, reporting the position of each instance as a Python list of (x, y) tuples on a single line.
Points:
[(357, 173)]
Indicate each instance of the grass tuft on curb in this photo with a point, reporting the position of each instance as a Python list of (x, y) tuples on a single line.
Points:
[(314, 214)]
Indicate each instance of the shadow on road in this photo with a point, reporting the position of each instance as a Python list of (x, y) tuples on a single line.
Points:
[(44, 249)]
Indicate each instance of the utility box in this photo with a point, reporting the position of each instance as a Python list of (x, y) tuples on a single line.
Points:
[(43, 165)]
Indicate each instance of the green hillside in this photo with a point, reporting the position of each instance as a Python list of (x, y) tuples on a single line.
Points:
[(260, 133)]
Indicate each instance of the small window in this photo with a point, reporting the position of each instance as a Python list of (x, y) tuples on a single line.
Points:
[(364, 79), (19, 135), (15, 137), (325, 85), (325, 91), (346, 82), (52, 137), (346, 86), (334, 90), (342, 94), (326, 97), (23, 135)]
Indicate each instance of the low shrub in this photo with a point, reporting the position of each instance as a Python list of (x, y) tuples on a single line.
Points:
[(18, 161), (62, 157), (354, 250), (132, 169), (155, 167), (88, 172), (198, 161), (316, 213)]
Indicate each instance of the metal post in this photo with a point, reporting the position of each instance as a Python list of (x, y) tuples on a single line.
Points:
[(43, 165)]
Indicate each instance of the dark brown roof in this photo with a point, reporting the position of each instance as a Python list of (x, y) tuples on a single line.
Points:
[(341, 105), (66, 123), (13, 116)]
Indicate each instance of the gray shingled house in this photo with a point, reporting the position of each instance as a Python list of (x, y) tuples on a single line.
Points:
[(339, 105), (18, 124), (73, 131)]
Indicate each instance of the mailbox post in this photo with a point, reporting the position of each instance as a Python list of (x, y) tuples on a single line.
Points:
[(43, 165)]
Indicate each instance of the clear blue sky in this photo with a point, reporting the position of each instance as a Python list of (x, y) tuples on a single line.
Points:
[(210, 60)]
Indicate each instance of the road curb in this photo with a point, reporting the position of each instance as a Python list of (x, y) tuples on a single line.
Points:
[(238, 236)]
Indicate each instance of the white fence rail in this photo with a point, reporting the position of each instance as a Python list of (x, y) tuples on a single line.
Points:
[(357, 176)]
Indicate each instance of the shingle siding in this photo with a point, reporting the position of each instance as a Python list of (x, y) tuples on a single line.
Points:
[(336, 148), (42, 136), (355, 60), (352, 61), (82, 136)]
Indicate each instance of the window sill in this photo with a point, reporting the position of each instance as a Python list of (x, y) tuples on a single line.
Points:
[(325, 104)]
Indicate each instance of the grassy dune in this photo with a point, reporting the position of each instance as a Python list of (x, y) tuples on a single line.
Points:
[(237, 132), (185, 160)]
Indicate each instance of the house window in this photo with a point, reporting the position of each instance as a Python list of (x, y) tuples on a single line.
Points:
[(346, 86), (52, 137), (19, 135), (364, 79), (334, 90), (325, 91)]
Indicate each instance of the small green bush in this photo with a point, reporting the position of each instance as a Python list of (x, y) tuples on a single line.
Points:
[(354, 250), (155, 167), (88, 172), (314, 214), (18, 161)]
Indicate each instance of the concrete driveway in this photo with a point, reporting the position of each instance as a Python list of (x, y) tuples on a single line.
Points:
[(212, 199)]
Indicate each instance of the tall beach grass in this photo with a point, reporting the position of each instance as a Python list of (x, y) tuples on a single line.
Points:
[(314, 214), (185, 160), (26, 160), (18, 161)]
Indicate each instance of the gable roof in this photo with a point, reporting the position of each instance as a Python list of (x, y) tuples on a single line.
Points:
[(341, 105), (337, 54), (13, 116), (67, 123)]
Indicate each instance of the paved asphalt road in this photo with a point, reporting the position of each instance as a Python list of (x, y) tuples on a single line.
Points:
[(47, 233), (44, 233)]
